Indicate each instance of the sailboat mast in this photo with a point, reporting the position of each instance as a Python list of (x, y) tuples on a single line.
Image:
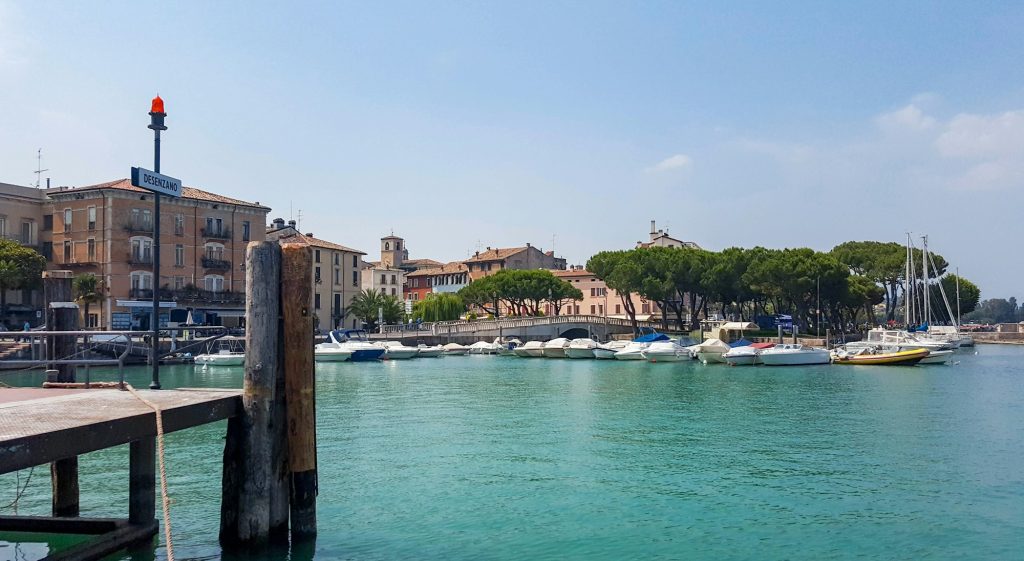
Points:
[(927, 308), (958, 299), (908, 291)]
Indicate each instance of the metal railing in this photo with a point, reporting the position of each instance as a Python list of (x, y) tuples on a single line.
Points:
[(30, 349), (214, 263), (217, 233)]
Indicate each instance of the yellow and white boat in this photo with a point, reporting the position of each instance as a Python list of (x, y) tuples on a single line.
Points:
[(908, 357)]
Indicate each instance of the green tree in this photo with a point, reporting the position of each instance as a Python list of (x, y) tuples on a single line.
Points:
[(439, 307), (366, 305), (621, 274), (20, 268), (481, 293), (88, 290), (970, 294)]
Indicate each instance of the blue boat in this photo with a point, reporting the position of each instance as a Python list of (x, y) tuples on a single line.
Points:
[(355, 340)]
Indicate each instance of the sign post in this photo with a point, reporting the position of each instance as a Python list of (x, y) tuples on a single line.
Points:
[(158, 184)]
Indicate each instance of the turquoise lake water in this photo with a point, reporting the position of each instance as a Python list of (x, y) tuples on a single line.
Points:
[(502, 458)]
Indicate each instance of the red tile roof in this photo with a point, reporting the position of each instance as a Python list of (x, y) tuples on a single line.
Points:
[(316, 242), (447, 268), (186, 193), (495, 254)]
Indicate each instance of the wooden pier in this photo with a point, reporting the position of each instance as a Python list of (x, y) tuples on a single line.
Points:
[(39, 426)]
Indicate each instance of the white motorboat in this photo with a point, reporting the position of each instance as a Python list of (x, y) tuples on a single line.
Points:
[(455, 349), (711, 351), (555, 348), (937, 357), (223, 357), (484, 348), (426, 351), (395, 350), (507, 346), (355, 340), (581, 348), (742, 356), (530, 349), (331, 352), (632, 351), (665, 351), (794, 355), (606, 351)]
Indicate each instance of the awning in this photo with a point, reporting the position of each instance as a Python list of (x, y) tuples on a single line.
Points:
[(739, 325), (144, 304)]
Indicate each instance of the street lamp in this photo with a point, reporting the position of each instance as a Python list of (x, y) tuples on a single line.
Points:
[(156, 114)]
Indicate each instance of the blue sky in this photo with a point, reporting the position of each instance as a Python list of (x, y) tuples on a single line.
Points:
[(464, 125)]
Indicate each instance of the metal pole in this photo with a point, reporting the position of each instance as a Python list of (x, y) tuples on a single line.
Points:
[(154, 351)]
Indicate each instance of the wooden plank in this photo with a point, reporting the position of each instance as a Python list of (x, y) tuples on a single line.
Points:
[(121, 538), (77, 431), (59, 525), (262, 314), (296, 301)]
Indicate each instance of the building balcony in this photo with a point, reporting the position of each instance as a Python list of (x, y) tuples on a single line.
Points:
[(139, 227), (81, 263), (200, 296), (217, 234), (216, 264), (137, 259), (141, 293)]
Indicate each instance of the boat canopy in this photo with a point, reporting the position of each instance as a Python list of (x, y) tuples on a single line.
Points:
[(740, 343), (740, 326), (342, 335), (651, 337), (762, 345)]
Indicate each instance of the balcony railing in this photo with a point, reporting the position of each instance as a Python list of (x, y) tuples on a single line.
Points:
[(217, 233), (139, 227), (141, 293), (140, 259), (81, 263), (217, 264)]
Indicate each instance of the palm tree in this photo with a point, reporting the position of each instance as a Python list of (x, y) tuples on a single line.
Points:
[(366, 304), (88, 290), (10, 277)]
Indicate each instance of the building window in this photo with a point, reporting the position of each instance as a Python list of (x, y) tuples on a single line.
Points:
[(93, 321), (355, 278), (383, 279), (393, 293), (645, 308), (214, 251), (387, 246), (316, 255), (67, 251), (179, 255), (489, 266), (398, 246), (337, 276), (3, 226), (179, 283), (91, 245), (316, 274), (593, 292), (355, 262), (67, 220), (337, 306), (245, 230), (600, 309), (393, 281), (92, 217), (593, 309), (316, 301), (28, 232), (141, 280), (47, 222), (142, 250), (214, 283), (618, 308), (337, 260)]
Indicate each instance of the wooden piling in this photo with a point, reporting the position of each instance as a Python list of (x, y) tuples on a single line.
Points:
[(296, 301), (254, 464), (142, 481), (61, 315)]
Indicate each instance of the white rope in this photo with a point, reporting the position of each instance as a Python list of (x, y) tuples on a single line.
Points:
[(166, 500)]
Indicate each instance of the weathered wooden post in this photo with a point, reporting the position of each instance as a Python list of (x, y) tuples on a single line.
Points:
[(296, 302), (249, 474), (61, 315)]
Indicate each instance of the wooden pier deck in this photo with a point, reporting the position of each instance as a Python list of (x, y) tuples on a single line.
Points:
[(38, 426), (54, 426)]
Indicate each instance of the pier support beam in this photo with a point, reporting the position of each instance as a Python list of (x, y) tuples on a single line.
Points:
[(296, 302), (62, 315), (142, 481)]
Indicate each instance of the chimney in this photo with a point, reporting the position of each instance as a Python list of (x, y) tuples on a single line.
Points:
[(47, 182), (310, 235), (653, 231), (477, 254), (291, 223), (279, 223), (527, 245)]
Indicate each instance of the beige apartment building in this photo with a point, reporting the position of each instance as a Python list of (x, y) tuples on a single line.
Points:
[(336, 275), (21, 217), (598, 299), (107, 229), (492, 260)]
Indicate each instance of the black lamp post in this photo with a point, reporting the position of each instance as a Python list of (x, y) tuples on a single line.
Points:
[(156, 115)]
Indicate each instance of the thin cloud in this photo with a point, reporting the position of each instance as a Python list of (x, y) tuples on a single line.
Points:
[(679, 161)]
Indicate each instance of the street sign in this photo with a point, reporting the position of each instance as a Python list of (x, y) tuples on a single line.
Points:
[(156, 182), (408, 306)]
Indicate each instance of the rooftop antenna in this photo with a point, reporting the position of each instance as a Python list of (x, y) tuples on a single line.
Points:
[(298, 221), (553, 236), (39, 166)]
